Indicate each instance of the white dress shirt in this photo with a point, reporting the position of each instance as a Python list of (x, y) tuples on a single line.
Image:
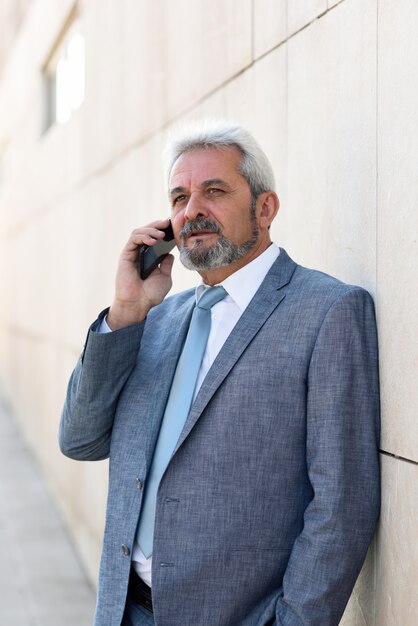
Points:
[(241, 287)]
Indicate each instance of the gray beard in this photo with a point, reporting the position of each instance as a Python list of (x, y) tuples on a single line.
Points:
[(222, 253)]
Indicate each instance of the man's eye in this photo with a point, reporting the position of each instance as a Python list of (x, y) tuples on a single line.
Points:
[(213, 190), (178, 199)]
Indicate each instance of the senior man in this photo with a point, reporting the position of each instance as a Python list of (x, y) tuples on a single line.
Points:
[(241, 419)]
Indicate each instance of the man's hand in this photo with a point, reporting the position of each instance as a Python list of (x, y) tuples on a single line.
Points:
[(135, 297)]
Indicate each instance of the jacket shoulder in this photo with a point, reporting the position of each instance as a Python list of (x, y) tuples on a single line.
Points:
[(315, 284)]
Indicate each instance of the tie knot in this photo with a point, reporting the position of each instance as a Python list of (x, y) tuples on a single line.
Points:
[(211, 296)]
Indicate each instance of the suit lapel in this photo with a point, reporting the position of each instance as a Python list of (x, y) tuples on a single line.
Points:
[(170, 340), (268, 297)]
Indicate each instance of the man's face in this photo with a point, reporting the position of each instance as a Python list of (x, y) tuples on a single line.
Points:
[(213, 214)]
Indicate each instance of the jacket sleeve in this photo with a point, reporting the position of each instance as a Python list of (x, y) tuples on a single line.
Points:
[(93, 390), (342, 452)]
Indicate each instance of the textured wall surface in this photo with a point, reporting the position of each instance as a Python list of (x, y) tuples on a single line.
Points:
[(329, 88)]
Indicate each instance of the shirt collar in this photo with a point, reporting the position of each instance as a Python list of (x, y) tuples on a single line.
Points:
[(242, 285)]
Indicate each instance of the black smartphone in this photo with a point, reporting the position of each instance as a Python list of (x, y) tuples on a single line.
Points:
[(149, 257)]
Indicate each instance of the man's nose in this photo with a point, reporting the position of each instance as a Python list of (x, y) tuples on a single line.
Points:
[(195, 208)]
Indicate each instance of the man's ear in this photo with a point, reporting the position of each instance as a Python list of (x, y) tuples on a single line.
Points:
[(268, 208)]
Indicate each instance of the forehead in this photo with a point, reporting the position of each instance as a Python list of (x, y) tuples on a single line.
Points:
[(199, 164)]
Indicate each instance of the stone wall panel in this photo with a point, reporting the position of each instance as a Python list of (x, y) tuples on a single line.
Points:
[(300, 13), (331, 174), (398, 225), (269, 24), (397, 546)]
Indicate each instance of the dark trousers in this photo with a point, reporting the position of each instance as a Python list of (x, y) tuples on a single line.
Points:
[(136, 615)]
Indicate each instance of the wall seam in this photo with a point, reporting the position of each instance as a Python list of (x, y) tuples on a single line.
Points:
[(398, 457)]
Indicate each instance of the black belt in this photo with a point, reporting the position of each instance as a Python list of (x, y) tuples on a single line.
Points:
[(139, 591)]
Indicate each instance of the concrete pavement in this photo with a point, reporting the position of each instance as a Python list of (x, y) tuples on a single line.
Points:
[(41, 580)]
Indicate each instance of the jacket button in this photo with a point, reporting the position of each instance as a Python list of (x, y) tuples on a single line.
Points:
[(138, 483), (125, 550)]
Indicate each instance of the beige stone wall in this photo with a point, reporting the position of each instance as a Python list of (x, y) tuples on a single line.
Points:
[(329, 88)]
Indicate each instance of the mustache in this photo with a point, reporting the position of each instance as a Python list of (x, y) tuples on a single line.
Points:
[(200, 223)]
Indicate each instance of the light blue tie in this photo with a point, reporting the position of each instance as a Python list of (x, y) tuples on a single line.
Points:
[(177, 409)]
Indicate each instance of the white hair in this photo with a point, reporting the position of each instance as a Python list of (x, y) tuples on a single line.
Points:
[(215, 133)]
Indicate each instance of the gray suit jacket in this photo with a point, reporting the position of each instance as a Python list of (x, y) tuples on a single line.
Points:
[(269, 503)]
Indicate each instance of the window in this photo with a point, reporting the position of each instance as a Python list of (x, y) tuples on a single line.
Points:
[(64, 76)]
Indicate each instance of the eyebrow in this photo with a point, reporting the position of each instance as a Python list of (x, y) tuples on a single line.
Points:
[(203, 184)]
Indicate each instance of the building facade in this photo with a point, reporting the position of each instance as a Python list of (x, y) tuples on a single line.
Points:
[(88, 91)]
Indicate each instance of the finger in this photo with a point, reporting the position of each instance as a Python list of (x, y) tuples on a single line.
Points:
[(149, 232), (147, 235), (166, 265), (138, 238), (159, 223), (156, 226)]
